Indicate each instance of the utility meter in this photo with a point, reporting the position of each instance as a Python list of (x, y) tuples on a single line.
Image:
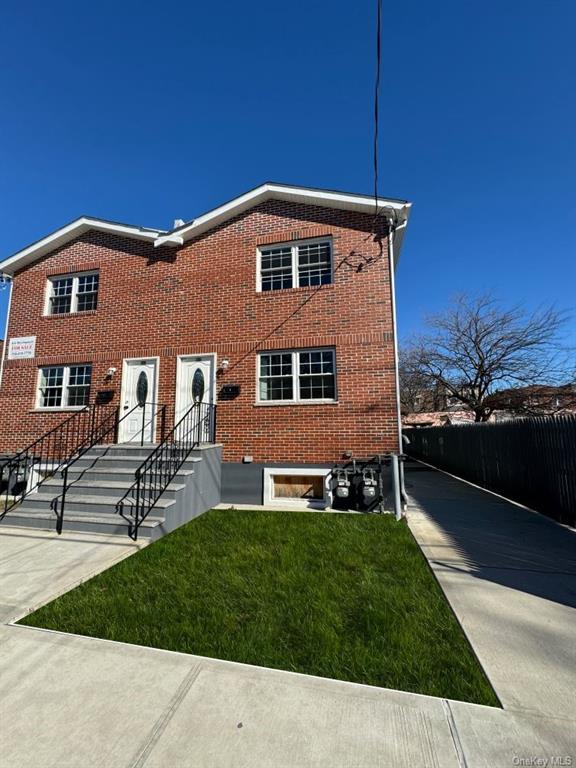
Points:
[(342, 484), (369, 485)]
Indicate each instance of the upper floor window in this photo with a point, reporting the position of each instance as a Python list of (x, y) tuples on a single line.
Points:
[(72, 293), (296, 376), (64, 386), (300, 264)]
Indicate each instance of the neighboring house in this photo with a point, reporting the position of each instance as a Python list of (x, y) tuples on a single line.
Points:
[(533, 400), (276, 306), (514, 403), (437, 418)]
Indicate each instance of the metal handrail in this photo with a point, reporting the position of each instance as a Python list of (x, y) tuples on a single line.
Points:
[(157, 471), (56, 447), (58, 503)]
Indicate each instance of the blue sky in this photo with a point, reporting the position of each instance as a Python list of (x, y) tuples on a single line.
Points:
[(146, 112)]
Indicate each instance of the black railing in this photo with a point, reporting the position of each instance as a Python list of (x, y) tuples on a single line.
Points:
[(26, 470), (152, 477), (105, 428)]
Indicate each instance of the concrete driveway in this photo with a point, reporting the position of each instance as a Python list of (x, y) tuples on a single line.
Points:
[(510, 576)]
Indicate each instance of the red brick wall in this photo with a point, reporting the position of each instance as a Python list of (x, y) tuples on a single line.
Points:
[(202, 298)]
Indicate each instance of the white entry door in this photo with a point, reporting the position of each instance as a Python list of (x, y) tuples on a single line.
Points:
[(139, 385), (195, 383)]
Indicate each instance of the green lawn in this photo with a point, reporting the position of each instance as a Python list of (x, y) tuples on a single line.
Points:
[(342, 596)]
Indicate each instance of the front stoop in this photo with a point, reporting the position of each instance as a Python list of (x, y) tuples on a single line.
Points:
[(100, 479)]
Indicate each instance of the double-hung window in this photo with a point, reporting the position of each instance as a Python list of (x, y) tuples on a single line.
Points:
[(69, 294), (297, 376), (301, 264), (64, 386)]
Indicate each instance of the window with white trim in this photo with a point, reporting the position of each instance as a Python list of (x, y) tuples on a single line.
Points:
[(301, 264), (68, 294), (297, 376), (63, 386)]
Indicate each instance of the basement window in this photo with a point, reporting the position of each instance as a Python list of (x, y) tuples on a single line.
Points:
[(69, 294), (299, 487), (302, 264), (64, 386)]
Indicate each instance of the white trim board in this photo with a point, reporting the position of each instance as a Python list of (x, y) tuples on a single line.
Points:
[(396, 211), (67, 233)]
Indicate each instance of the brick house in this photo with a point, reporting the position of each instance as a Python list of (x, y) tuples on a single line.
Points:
[(280, 301)]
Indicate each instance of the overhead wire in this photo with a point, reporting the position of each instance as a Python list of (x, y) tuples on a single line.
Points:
[(376, 99)]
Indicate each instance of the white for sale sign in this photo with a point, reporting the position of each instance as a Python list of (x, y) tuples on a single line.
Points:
[(20, 347)]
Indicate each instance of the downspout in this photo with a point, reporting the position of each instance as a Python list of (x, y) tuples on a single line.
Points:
[(6, 333), (391, 232)]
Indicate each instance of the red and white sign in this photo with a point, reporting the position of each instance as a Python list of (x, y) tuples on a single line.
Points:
[(23, 346)]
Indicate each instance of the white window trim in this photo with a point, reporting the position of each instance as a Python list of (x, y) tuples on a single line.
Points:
[(293, 245), (65, 384), (296, 377), (74, 295), (269, 498)]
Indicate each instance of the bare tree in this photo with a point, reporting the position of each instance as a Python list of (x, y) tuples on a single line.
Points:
[(418, 393), (477, 347)]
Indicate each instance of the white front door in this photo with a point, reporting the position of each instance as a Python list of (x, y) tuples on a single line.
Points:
[(139, 385), (195, 383)]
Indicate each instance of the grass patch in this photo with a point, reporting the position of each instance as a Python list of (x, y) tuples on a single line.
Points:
[(342, 596)]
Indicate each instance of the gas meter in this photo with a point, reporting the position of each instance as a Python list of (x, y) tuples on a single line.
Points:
[(369, 486), (342, 489)]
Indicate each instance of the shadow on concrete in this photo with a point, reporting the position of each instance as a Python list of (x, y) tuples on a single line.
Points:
[(495, 539)]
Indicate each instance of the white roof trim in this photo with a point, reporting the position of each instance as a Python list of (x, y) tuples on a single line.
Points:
[(70, 232), (399, 210), (324, 198)]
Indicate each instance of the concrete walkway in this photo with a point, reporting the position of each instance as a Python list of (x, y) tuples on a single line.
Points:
[(36, 566), (68, 701), (510, 576)]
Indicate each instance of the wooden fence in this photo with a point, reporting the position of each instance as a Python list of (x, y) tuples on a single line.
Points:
[(532, 461)]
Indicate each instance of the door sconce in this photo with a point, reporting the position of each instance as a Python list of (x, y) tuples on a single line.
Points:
[(224, 364), (110, 372)]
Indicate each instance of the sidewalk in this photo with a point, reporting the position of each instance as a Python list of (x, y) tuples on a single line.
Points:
[(510, 576), (74, 702), (36, 565)]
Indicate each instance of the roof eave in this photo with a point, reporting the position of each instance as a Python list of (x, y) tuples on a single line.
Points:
[(71, 231), (398, 209)]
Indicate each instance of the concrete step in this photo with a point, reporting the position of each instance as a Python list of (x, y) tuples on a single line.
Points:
[(115, 449), (120, 461), (51, 488), (91, 503), (100, 479), (100, 473), (74, 520)]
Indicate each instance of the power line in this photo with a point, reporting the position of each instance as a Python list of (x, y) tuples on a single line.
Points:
[(376, 99)]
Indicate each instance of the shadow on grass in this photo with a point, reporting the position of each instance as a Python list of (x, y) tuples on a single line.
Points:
[(345, 597)]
